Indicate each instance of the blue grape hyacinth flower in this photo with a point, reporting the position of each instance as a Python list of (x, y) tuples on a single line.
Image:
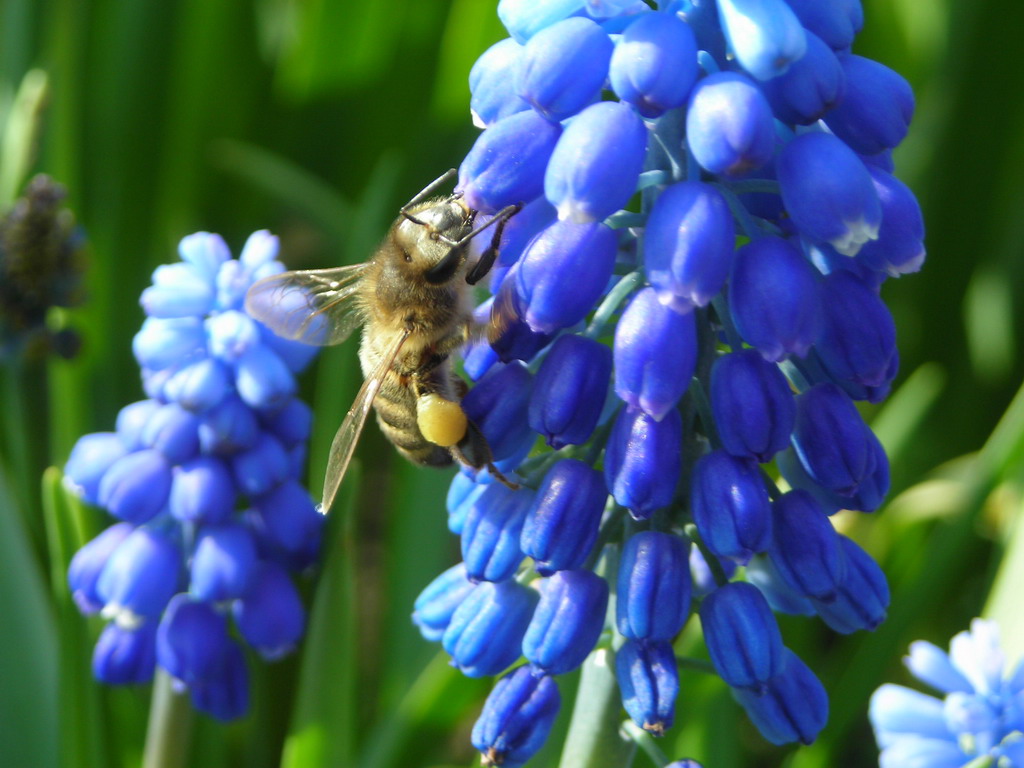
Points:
[(204, 477), (689, 304), (980, 714)]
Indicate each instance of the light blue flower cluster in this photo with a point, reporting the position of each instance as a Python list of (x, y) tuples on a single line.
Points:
[(981, 714), (691, 290), (204, 477)]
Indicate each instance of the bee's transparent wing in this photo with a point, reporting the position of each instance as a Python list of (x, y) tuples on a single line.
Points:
[(315, 306), (345, 440)]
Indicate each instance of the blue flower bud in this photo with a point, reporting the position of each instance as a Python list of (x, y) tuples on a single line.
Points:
[(478, 357), (562, 525), (510, 336), (563, 67), (153, 382), (497, 404), (812, 86), (202, 491), (204, 251), (773, 298), (730, 506), (765, 35), (828, 192), (688, 244), (125, 656), (594, 168), (491, 533), (87, 564), (522, 228), (289, 517), (225, 694), (270, 615), (296, 355), (875, 113), (899, 248), (525, 18), (164, 342), (654, 64), (178, 290), (262, 379), (89, 461), (649, 682), (506, 164), (436, 604), (729, 124), (762, 573), (140, 576), (199, 386), (752, 404), (863, 595), (564, 271), (655, 354), (643, 460), (794, 706), (805, 547), (653, 595), (742, 636), (462, 495), (174, 432), (292, 424), (567, 622), (858, 335), (492, 83), (569, 390), (516, 718), (136, 486), (258, 469), (132, 421), (228, 427), (222, 562), (486, 631), (836, 22), (701, 574), (831, 439), (191, 640)]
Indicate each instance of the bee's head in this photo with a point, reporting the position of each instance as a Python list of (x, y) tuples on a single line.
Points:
[(430, 239)]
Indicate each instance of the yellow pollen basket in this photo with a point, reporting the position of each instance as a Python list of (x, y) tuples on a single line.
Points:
[(441, 421)]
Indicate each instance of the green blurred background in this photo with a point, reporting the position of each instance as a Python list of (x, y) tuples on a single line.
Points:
[(316, 119)]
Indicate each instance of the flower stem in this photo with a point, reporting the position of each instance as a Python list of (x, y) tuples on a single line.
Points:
[(170, 726), (594, 740), (646, 742)]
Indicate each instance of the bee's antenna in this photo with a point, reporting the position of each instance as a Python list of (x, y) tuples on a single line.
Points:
[(424, 193)]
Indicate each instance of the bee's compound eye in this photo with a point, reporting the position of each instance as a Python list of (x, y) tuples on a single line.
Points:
[(441, 421)]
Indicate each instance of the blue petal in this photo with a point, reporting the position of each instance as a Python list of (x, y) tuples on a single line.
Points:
[(516, 718), (654, 64), (765, 35), (567, 621)]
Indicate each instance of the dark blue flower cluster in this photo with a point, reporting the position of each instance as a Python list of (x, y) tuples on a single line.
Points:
[(980, 720), (691, 291), (204, 477)]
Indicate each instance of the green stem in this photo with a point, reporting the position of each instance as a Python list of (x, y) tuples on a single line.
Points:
[(170, 726), (646, 742), (594, 740), (603, 314)]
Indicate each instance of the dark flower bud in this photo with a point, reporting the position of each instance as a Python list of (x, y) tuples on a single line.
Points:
[(516, 718), (174, 432), (805, 547), (654, 64), (92, 456), (562, 525), (225, 694), (486, 631), (729, 125), (433, 609), (828, 192), (510, 336), (88, 563), (730, 506), (125, 656), (836, 22), (260, 467), (492, 83), (649, 682), (688, 244), (642, 461), (521, 229), (655, 354), (222, 562), (701, 575), (794, 706), (765, 36), (199, 386), (132, 421), (270, 615), (875, 113), (570, 390), (863, 595), (136, 487), (762, 573), (506, 164), (202, 491), (810, 88), (753, 405), (742, 635), (292, 424), (567, 621), (773, 297), (191, 640), (491, 533), (899, 248), (140, 576), (832, 441), (653, 595), (563, 67), (228, 427), (288, 518), (594, 168), (497, 404)]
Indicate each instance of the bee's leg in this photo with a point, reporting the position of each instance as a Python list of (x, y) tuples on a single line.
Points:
[(486, 260), (423, 194), (474, 452)]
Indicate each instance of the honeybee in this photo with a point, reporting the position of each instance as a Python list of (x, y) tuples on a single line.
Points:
[(414, 303)]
